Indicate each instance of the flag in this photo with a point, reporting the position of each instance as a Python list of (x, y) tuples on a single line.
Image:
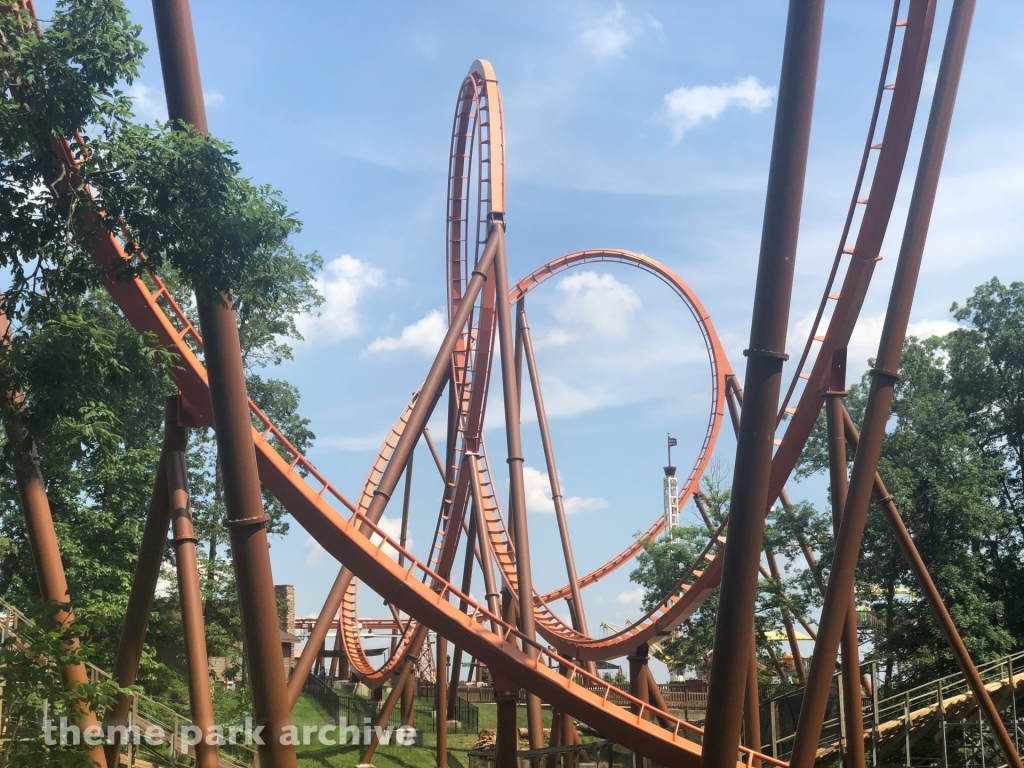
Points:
[(672, 442)]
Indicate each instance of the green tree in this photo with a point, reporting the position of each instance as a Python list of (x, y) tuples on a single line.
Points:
[(35, 698), (948, 492), (662, 564), (94, 388)]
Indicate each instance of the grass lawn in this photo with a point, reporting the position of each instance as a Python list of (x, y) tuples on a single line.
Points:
[(308, 712)]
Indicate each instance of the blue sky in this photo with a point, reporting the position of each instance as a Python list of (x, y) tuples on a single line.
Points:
[(638, 125)]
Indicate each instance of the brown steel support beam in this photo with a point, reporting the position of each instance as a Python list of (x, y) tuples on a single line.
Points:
[(638, 685), (441, 702), (467, 583), (189, 592), (491, 594), (409, 698), (403, 689), (433, 451), (406, 500), (783, 677), (42, 539), (140, 602), (517, 487), (938, 607), (762, 384), (506, 732), (579, 619), (654, 695), (752, 705), (396, 694), (520, 320), (883, 380), (315, 641), (838, 483), (440, 369), (242, 494), (787, 618)]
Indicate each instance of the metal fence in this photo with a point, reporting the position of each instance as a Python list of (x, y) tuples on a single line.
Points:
[(318, 690), (355, 710), (934, 725), (465, 718)]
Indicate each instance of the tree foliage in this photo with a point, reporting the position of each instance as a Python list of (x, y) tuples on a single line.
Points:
[(950, 462), (35, 696), (662, 564), (93, 387)]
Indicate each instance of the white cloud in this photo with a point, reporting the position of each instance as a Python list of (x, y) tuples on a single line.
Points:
[(609, 35), (538, 496), (164, 585), (343, 284), (148, 102), (595, 303), (392, 526), (315, 554), (630, 599), (423, 336), (686, 108), (605, 341), (925, 329)]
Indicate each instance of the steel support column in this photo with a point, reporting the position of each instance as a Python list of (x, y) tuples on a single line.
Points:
[(42, 539), (762, 384), (787, 619), (440, 369), (140, 601), (242, 494), (517, 488), (189, 592), (577, 614), (441, 703), (317, 636), (752, 705), (400, 691), (506, 732), (638, 684), (883, 380), (409, 699), (341, 584), (838, 483), (467, 583)]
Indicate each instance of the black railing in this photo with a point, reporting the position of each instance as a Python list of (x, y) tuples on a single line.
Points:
[(354, 710), (465, 718), (318, 690)]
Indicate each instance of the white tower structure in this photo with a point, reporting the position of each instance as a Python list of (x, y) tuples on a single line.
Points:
[(671, 499), (671, 485)]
